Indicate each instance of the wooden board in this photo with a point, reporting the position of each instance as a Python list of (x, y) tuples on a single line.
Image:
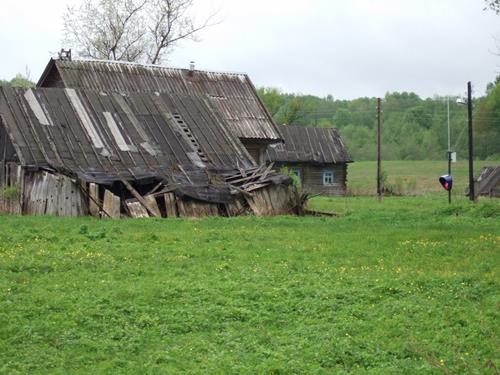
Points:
[(152, 205), (49, 194), (136, 209), (13, 181), (111, 204), (193, 208), (170, 205), (94, 198), (235, 208), (270, 200)]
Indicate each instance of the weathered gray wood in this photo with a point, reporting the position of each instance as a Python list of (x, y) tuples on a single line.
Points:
[(193, 208), (152, 205), (170, 205), (270, 200), (48, 195), (13, 181), (111, 204), (139, 198), (93, 199), (136, 209), (312, 177), (235, 208)]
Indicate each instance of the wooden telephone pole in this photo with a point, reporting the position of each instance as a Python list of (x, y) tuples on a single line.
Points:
[(379, 169), (472, 195)]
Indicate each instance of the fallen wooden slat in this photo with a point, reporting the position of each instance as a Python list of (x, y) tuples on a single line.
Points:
[(139, 197), (248, 178), (319, 213), (155, 189), (255, 187), (244, 192), (253, 174), (266, 172), (136, 209)]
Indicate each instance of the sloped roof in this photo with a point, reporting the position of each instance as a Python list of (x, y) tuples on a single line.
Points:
[(102, 137), (233, 94), (309, 144)]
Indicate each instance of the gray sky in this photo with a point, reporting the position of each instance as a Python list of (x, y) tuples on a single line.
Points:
[(345, 48)]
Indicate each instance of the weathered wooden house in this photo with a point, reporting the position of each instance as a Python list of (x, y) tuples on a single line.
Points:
[(233, 94), (487, 184), (317, 156), (72, 152)]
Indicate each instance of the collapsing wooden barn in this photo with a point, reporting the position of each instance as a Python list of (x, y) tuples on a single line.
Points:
[(317, 156), (72, 152), (232, 94)]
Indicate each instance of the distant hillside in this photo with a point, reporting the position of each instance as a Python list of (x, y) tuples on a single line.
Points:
[(412, 128)]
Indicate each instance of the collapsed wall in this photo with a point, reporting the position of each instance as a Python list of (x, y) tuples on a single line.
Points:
[(258, 191)]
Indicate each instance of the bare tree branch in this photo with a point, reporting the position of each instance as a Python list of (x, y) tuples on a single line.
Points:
[(131, 30)]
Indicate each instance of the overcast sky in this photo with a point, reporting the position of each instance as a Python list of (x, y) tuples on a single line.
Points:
[(344, 48)]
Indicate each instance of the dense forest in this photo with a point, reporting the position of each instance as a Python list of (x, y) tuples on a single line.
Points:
[(412, 128)]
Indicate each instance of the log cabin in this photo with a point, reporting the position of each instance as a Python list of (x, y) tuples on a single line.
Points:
[(317, 156)]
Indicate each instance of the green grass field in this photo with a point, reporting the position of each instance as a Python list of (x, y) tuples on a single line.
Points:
[(409, 285), (411, 177)]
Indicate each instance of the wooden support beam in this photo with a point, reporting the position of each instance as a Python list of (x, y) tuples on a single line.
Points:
[(93, 194), (139, 197)]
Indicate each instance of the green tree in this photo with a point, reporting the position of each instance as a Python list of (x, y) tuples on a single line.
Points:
[(487, 128), (272, 98), (18, 81)]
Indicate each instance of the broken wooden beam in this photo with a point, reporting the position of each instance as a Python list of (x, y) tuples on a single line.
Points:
[(151, 211)]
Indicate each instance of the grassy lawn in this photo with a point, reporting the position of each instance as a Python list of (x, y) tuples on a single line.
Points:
[(411, 177), (410, 285)]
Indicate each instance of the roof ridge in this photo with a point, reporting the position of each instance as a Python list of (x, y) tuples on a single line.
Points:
[(154, 66)]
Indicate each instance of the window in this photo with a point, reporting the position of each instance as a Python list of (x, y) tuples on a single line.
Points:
[(328, 178)]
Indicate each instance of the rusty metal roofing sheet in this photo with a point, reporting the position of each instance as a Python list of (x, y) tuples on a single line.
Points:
[(309, 144), (101, 137), (232, 93)]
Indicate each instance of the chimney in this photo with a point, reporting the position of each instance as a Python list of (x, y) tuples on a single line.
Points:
[(65, 54), (191, 68)]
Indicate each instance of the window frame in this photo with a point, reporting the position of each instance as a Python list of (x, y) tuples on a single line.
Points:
[(331, 176)]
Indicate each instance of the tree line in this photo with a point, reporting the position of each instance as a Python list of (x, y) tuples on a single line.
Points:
[(413, 128)]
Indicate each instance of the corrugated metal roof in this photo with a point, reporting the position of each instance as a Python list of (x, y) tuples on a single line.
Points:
[(232, 93), (102, 137), (309, 144)]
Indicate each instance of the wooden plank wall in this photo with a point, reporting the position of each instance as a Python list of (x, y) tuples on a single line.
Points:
[(270, 200), (49, 194), (312, 177), (11, 188), (256, 150)]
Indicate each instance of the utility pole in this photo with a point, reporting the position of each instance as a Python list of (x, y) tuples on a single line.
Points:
[(449, 148), (472, 196), (379, 170)]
